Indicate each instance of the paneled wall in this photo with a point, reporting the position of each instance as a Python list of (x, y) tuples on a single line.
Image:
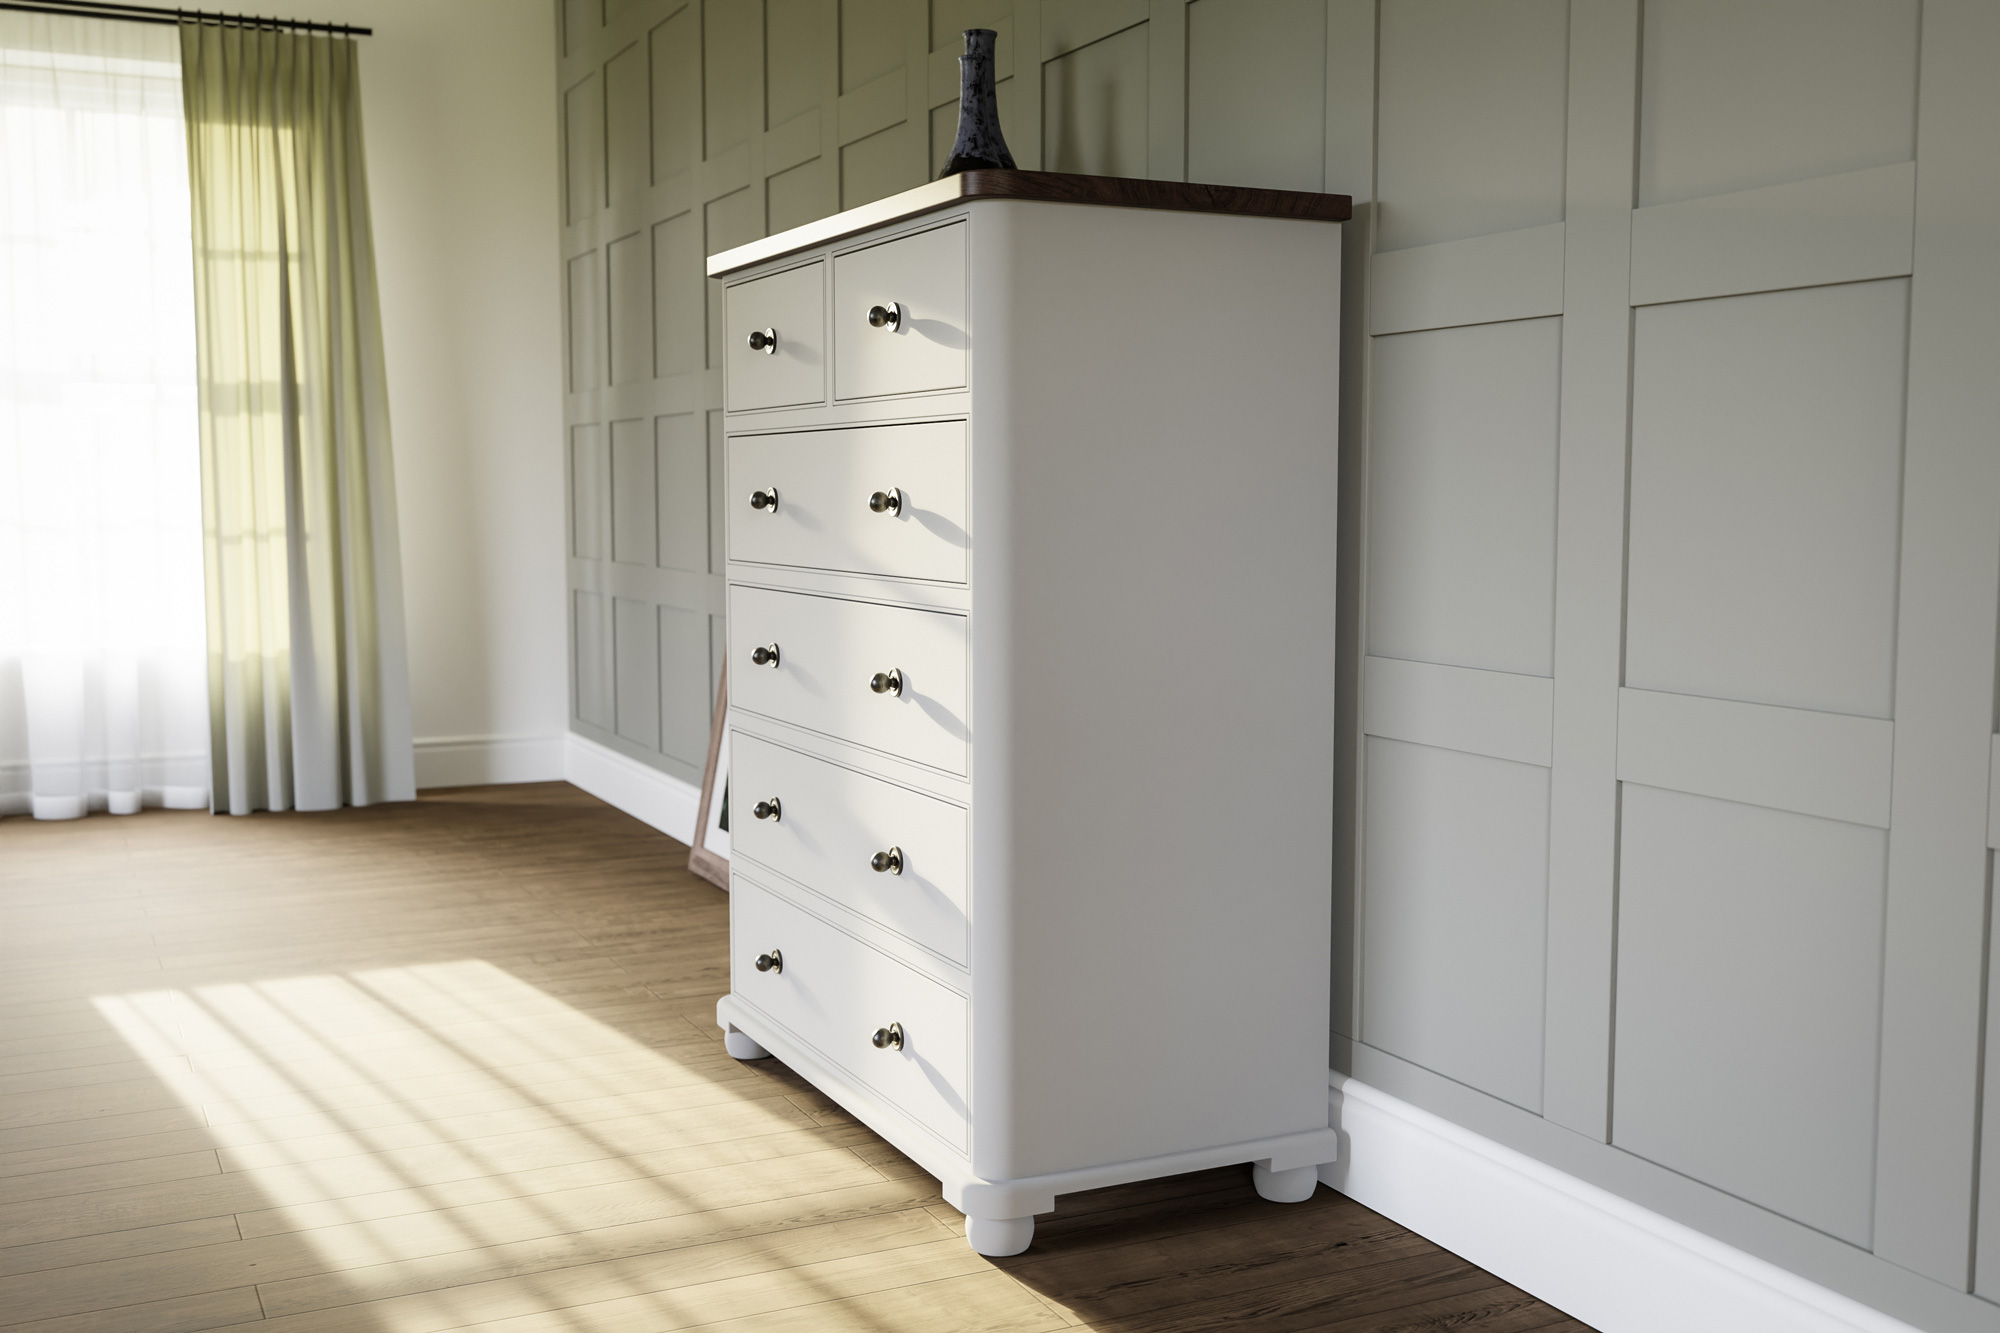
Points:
[(690, 126), (1672, 523), (1678, 618)]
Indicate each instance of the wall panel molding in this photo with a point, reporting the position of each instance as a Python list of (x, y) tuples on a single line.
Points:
[(1831, 765), (1480, 280), (795, 142), (1590, 560), (1993, 796), (1948, 614), (1844, 228), (1350, 170), (1072, 24), (875, 106), (1494, 713)]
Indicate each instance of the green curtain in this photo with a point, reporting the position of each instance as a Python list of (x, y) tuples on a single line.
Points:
[(308, 678)]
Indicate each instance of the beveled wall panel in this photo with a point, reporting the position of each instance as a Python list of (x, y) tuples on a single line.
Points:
[(1457, 868), (631, 308), (1767, 451), (1094, 107), (590, 667), (794, 45), (634, 511), (579, 23), (731, 64), (679, 319), (675, 92), (795, 197), (682, 501), (874, 35), (589, 493), (635, 656), (1470, 132), (1462, 496), (1749, 1000), (685, 664), (1734, 96), (586, 326), (1256, 89), (627, 146), (583, 149)]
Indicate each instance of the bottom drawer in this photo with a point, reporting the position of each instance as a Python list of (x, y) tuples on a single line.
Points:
[(834, 992)]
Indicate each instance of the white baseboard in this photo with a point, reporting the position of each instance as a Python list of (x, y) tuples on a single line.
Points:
[(645, 793), (479, 761), (1614, 1265)]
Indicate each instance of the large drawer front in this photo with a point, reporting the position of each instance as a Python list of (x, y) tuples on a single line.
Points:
[(834, 992), (825, 480), (926, 349), (829, 650), (793, 304), (832, 821)]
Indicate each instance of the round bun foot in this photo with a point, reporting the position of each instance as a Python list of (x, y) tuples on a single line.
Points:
[(998, 1237), (739, 1045), (1293, 1186)]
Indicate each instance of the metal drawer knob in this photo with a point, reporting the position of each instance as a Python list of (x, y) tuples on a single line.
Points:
[(888, 1038), (765, 341), (888, 316), (773, 961), (887, 682), (772, 810), (887, 502), (765, 499), (764, 654), (889, 862)]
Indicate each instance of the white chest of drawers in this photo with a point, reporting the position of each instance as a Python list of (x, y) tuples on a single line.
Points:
[(1031, 538)]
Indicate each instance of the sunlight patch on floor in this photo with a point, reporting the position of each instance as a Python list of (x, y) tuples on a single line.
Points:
[(426, 1131)]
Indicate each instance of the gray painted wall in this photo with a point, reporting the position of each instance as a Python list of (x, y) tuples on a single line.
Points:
[(1672, 542)]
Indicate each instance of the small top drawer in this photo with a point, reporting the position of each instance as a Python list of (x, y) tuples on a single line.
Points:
[(784, 316), (877, 500), (918, 340)]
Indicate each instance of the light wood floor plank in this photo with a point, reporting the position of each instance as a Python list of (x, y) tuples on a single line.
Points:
[(180, 1314), (977, 1303), (606, 1076), (759, 1292), (101, 1129), (531, 1184), (115, 1175), (117, 1245), (504, 1138), (658, 1275), (317, 1134)]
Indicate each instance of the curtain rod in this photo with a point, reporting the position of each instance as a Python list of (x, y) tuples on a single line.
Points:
[(155, 14)]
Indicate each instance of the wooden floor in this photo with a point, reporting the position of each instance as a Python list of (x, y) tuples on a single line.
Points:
[(453, 1065)]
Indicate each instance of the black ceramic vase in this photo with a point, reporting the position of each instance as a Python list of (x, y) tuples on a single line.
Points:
[(979, 146)]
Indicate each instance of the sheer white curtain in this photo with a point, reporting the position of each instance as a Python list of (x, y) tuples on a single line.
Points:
[(103, 693)]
